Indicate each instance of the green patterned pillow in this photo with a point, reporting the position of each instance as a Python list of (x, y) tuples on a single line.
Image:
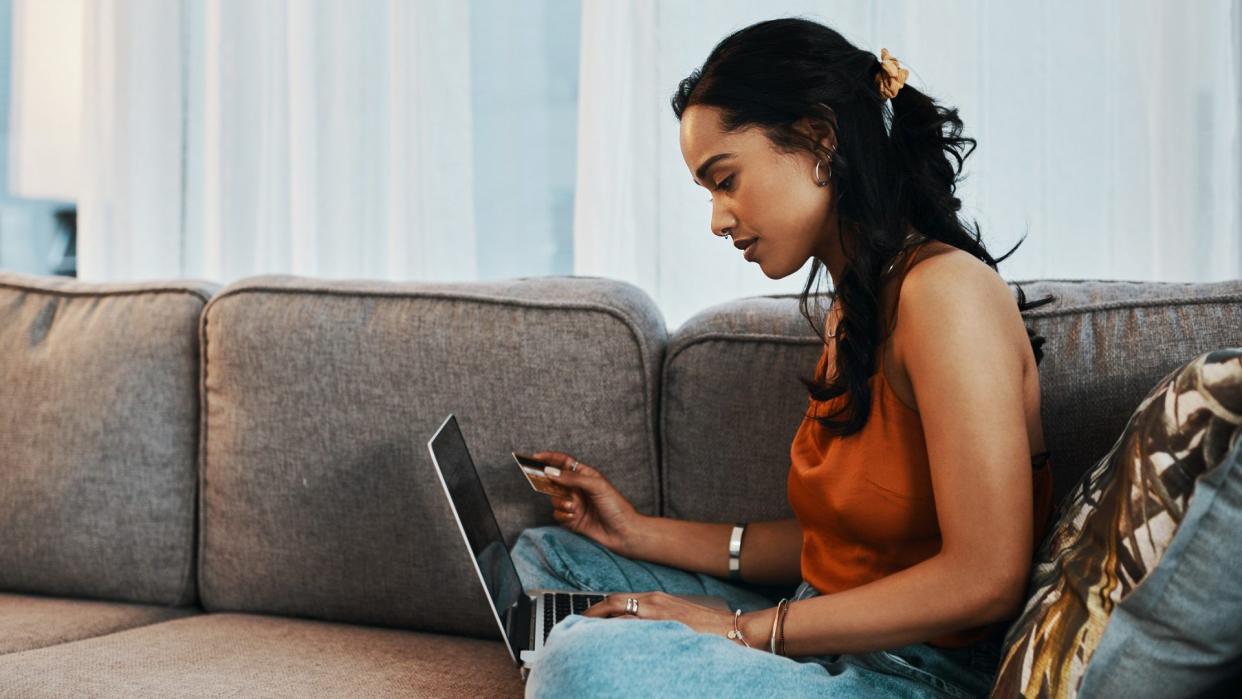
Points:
[(1113, 529)]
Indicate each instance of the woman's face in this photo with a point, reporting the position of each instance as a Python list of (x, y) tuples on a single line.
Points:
[(759, 193)]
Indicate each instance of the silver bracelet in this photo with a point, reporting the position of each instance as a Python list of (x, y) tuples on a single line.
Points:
[(735, 551), (772, 641)]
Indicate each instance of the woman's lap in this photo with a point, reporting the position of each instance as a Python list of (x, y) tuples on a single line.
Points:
[(632, 657), (556, 558)]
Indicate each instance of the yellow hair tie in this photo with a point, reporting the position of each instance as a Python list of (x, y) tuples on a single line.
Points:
[(891, 75)]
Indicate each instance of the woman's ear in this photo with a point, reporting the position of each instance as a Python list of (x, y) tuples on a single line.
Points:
[(818, 130)]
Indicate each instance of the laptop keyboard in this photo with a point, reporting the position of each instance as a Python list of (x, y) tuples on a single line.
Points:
[(558, 605)]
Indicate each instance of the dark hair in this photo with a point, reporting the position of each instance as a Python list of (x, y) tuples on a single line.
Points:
[(772, 74)]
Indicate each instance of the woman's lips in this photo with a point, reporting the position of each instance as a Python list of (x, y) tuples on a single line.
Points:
[(749, 252)]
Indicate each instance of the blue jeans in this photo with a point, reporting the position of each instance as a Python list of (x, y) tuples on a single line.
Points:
[(588, 656)]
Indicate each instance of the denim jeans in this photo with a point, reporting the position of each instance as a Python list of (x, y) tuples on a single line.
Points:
[(596, 657)]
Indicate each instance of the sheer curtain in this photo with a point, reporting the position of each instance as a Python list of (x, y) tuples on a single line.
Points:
[(317, 137), (1108, 133), (329, 138)]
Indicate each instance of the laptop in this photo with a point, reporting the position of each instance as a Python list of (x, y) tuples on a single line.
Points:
[(525, 617)]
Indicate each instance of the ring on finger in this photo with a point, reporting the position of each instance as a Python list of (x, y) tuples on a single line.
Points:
[(574, 465)]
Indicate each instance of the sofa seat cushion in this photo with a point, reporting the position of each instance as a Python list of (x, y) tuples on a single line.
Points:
[(264, 656), (34, 621)]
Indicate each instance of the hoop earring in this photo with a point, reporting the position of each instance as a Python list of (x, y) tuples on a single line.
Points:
[(818, 181)]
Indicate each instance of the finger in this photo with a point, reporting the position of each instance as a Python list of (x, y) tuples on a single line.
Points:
[(589, 482), (599, 609), (565, 462), (561, 504), (584, 469), (556, 458), (614, 605)]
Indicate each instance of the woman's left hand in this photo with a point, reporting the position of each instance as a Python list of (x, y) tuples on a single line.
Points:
[(661, 605)]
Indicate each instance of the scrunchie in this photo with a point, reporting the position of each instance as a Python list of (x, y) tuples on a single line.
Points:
[(891, 75)]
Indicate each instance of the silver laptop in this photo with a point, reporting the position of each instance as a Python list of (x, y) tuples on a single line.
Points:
[(525, 617)]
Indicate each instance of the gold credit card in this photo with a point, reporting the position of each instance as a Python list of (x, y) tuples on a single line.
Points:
[(533, 470)]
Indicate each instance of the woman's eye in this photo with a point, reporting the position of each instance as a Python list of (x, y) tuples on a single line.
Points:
[(724, 184)]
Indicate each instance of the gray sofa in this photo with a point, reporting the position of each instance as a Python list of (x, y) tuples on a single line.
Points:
[(226, 491)]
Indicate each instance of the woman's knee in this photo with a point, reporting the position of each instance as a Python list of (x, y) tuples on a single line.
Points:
[(561, 553), (531, 540), (538, 537)]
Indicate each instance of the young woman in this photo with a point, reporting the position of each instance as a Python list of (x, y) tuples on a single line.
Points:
[(918, 477)]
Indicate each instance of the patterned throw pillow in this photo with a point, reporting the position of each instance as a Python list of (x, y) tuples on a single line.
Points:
[(1113, 529)]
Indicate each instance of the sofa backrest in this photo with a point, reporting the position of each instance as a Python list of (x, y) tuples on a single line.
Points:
[(1108, 344), (98, 437), (319, 497), (732, 403), (730, 406), (310, 404)]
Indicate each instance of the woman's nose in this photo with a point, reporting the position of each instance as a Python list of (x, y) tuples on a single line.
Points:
[(722, 225)]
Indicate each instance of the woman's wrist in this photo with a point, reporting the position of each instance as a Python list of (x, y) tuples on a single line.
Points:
[(756, 627), (637, 535)]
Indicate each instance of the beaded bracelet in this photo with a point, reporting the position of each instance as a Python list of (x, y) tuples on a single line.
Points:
[(736, 633)]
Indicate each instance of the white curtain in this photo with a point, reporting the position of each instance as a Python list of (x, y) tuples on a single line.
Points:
[(317, 137), (224, 138), (1108, 132)]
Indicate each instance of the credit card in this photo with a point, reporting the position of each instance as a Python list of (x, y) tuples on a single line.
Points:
[(533, 470)]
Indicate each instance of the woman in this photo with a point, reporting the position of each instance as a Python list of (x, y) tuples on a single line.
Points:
[(918, 478)]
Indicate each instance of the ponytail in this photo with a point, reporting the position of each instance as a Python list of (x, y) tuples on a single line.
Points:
[(930, 151)]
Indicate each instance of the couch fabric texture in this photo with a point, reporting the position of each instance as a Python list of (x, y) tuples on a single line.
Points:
[(318, 493), (98, 443), (245, 655), (35, 621), (255, 455)]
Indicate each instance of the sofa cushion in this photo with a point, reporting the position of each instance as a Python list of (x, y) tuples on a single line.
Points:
[(732, 402), (1113, 532), (730, 407), (214, 655), (35, 621), (319, 498), (98, 437)]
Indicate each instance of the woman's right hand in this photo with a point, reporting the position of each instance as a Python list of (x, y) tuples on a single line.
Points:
[(595, 508)]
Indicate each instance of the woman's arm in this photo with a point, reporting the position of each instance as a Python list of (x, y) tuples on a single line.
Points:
[(771, 550), (964, 347)]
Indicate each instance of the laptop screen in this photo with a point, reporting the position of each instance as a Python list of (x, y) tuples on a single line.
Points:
[(478, 524)]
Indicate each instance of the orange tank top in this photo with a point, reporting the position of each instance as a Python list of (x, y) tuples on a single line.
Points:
[(865, 501)]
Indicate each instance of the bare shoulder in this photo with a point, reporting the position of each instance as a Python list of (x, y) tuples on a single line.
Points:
[(947, 289), (944, 275)]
